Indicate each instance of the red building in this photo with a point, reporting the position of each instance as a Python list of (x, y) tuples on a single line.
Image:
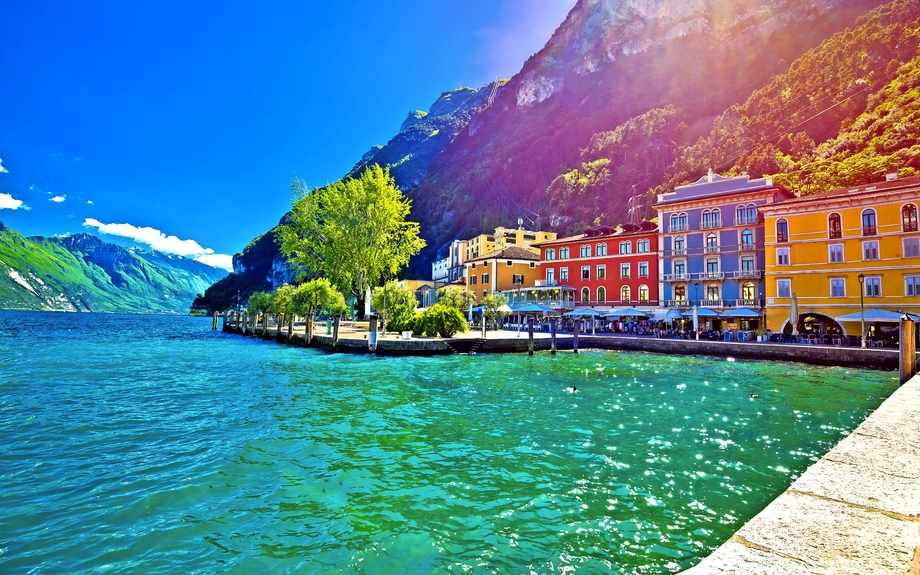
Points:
[(606, 266)]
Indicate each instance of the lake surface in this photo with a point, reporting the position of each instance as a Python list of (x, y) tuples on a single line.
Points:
[(149, 444)]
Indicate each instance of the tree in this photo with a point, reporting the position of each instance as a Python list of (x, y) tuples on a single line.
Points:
[(311, 297), (396, 304), (454, 297), (261, 302), (442, 320), (353, 232), (494, 307), (283, 303)]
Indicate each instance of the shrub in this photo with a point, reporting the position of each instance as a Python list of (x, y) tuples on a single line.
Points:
[(443, 321)]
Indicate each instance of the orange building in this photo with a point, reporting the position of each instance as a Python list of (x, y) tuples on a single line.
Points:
[(505, 269)]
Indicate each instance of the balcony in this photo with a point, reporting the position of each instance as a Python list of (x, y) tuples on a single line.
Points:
[(747, 247), (678, 228), (746, 274), (869, 230), (679, 252), (711, 225), (545, 283), (782, 238), (711, 275), (910, 226), (712, 249), (681, 277), (835, 234)]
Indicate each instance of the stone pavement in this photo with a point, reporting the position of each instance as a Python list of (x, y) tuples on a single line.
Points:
[(856, 511)]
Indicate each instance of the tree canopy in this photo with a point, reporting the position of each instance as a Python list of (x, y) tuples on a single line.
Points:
[(315, 295), (353, 232)]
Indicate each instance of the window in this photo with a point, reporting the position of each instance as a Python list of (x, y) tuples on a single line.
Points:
[(585, 272), (601, 294), (601, 272), (682, 223), (911, 247), (873, 286), (485, 292), (509, 263), (870, 250), (473, 266), (869, 227), (533, 265), (517, 279), (585, 294), (472, 280), (834, 227), (783, 288), (586, 251), (643, 246), (782, 256), (550, 255), (626, 247), (563, 253), (835, 253), (679, 246), (740, 220), (712, 244), (643, 293), (912, 285), (707, 220), (551, 276), (716, 218), (838, 287), (643, 269), (712, 292), (747, 240), (680, 293), (674, 223), (747, 264), (752, 214), (712, 267), (782, 231), (680, 267), (563, 274), (748, 291), (602, 249), (485, 279), (909, 218), (624, 294), (624, 270)]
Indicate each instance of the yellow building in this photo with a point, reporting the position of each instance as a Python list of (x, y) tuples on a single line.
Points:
[(502, 238), (827, 249), (504, 269)]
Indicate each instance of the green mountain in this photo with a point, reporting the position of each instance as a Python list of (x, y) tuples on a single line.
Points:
[(629, 99), (83, 273)]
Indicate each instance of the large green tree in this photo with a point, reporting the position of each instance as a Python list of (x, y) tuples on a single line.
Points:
[(396, 304), (353, 232)]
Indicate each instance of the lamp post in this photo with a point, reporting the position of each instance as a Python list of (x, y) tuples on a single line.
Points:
[(862, 310), (696, 290), (763, 310)]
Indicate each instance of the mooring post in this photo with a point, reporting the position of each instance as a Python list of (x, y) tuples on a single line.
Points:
[(908, 349), (214, 322), (552, 337), (483, 325), (308, 332), (575, 338), (530, 335), (264, 325), (372, 334), (291, 329), (335, 332), (243, 324)]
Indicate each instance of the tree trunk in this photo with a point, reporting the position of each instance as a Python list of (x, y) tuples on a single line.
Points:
[(359, 313)]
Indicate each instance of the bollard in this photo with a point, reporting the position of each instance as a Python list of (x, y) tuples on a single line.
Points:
[(335, 333), (308, 333), (214, 322), (575, 338), (243, 329), (552, 337), (291, 329), (530, 336), (372, 334), (907, 349), (265, 326), (483, 325)]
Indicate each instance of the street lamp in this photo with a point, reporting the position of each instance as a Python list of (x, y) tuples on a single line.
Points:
[(696, 290), (862, 310), (763, 309)]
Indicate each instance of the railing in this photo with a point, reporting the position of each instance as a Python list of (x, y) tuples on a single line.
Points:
[(747, 247), (678, 228), (910, 226), (711, 225), (782, 238), (869, 230), (679, 252), (545, 283), (712, 249), (714, 303), (675, 277), (711, 275), (835, 234), (746, 274)]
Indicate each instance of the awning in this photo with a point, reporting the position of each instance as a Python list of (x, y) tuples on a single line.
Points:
[(878, 315), (702, 312), (583, 312), (673, 314), (742, 312), (628, 312)]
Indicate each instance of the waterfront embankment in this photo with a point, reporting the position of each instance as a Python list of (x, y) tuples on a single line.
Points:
[(355, 340), (856, 511)]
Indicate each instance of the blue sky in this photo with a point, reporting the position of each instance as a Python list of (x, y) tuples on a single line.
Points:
[(181, 124)]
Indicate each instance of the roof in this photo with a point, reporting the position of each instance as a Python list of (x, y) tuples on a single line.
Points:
[(604, 232), (864, 189), (714, 185), (509, 253)]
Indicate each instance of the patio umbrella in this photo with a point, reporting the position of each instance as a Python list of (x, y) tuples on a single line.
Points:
[(582, 312), (534, 308), (628, 312), (700, 312), (878, 315), (741, 312), (673, 314), (794, 315), (696, 322)]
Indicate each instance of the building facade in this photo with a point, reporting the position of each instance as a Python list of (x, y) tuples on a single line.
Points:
[(606, 266), (712, 242), (502, 238), (818, 246), (509, 268)]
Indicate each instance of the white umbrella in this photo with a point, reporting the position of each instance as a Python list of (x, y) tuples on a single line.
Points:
[(696, 322), (794, 315)]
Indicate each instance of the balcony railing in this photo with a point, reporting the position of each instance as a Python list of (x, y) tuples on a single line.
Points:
[(711, 225), (782, 238), (747, 247), (835, 234), (910, 226), (746, 274), (712, 249), (715, 303), (676, 277), (545, 283), (712, 275), (678, 228), (679, 252), (869, 230)]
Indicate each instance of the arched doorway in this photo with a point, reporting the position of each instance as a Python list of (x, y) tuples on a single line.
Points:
[(813, 323)]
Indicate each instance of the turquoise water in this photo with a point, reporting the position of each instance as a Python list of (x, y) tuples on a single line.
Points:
[(146, 444)]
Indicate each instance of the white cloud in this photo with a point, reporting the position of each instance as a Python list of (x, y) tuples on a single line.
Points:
[(58, 199), (90, 202), (162, 243), (8, 202), (2, 169), (521, 28)]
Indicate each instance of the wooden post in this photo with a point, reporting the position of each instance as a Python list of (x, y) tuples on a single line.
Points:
[(308, 332), (214, 322), (243, 323), (265, 325), (908, 349), (335, 332), (483, 316), (372, 334), (530, 335), (575, 338), (552, 337), (291, 329)]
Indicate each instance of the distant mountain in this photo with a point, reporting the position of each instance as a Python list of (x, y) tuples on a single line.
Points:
[(83, 273), (632, 97)]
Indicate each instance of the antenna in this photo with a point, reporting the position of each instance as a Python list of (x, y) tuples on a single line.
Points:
[(493, 92), (520, 223)]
